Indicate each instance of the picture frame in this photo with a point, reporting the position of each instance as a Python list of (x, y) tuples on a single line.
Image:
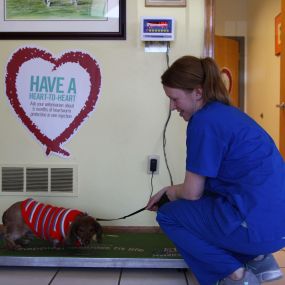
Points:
[(278, 34), (59, 20), (165, 3)]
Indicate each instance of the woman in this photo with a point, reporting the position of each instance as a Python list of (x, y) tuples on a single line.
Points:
[(229, 213)]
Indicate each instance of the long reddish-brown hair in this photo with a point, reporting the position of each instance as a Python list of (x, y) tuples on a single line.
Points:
[(189, 72)]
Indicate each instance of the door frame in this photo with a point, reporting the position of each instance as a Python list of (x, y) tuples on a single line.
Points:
[(209, 46), (209, 33), (241, 83), (209, 30), (282, 83)]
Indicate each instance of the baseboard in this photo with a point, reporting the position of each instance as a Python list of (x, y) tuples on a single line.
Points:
[(132, 229)]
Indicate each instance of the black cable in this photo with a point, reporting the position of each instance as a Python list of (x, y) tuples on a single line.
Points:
[(167, 54), (164, 153), (164, 147), (166, 124), (164, 133), (120, 276), (185, 275), (57, 271), (151, 184)]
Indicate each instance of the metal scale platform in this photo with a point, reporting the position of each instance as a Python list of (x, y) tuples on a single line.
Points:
[(118, 250)]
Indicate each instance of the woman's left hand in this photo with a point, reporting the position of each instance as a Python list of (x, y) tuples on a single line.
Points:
[(152, 203)]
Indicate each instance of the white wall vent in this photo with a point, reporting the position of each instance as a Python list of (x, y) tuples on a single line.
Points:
[(12, 179), (39, 180)]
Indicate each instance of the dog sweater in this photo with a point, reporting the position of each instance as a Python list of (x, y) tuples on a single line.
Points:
[(46, 221)]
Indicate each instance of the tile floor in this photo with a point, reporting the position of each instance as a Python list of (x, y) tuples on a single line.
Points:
[(83, 276)]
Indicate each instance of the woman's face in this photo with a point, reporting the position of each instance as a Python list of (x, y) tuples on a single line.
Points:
[(185, 102)]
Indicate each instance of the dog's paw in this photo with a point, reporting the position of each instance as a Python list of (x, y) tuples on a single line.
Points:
[(57, 244), (13, 246)]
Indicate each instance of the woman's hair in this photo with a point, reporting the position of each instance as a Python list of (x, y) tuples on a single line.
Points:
[(189, 72)]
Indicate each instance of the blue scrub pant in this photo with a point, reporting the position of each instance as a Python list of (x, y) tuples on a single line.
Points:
[(210, 254)]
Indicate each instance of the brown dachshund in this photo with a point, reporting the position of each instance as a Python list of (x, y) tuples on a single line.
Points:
[(62, 227)]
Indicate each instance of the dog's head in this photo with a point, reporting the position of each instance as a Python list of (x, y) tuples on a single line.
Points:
[(83, 229)]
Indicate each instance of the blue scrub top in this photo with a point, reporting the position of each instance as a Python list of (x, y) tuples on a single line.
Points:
[(243, 168)]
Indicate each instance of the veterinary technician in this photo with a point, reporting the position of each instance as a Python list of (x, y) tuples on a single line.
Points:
[(228, 215)]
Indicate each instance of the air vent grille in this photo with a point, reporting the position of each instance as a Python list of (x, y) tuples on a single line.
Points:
[(61, 179), (12, 179), (37, 179), (45, 180)]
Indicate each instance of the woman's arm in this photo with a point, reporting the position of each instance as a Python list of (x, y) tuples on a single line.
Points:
[(191, 189)]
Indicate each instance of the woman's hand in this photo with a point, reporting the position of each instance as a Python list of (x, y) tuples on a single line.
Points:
[(191, 189), (152, 203), (170, 192)]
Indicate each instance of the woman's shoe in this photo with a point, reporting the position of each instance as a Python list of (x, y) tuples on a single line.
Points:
[(266, 269), (248, 279)]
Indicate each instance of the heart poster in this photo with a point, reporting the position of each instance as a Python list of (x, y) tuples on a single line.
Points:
[(51, 95)]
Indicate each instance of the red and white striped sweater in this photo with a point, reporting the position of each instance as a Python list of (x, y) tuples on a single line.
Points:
[(46, 221)]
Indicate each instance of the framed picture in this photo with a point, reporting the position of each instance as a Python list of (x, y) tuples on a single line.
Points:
[(165, 3), (278, 34), (63, 19)]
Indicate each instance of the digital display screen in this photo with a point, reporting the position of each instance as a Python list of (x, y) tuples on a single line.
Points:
[(157, 26)]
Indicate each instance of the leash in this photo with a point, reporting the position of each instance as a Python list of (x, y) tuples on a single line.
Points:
[(164, 199), (124, 217)]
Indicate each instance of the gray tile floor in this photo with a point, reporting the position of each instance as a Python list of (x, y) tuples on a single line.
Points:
[(83, 276), (92, 276)]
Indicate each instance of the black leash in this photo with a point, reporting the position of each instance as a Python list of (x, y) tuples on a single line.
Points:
[(164, 199), (124, 217)]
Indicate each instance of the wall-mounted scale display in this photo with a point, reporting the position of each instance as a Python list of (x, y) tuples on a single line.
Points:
[(157, 32)]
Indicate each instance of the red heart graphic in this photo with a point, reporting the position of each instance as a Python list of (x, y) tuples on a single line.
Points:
[(26, 54)]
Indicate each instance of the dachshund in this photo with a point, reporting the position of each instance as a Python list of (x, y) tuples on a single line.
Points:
[(63, 227)]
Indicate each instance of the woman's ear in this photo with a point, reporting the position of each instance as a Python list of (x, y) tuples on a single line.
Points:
[(198, 92)]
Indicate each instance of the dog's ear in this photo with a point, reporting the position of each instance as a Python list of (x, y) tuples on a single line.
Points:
[(71, 237), (4, 218), (2, 231), (98, 230)]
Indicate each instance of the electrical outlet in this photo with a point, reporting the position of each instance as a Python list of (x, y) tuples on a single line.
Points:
[(153, 164)]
